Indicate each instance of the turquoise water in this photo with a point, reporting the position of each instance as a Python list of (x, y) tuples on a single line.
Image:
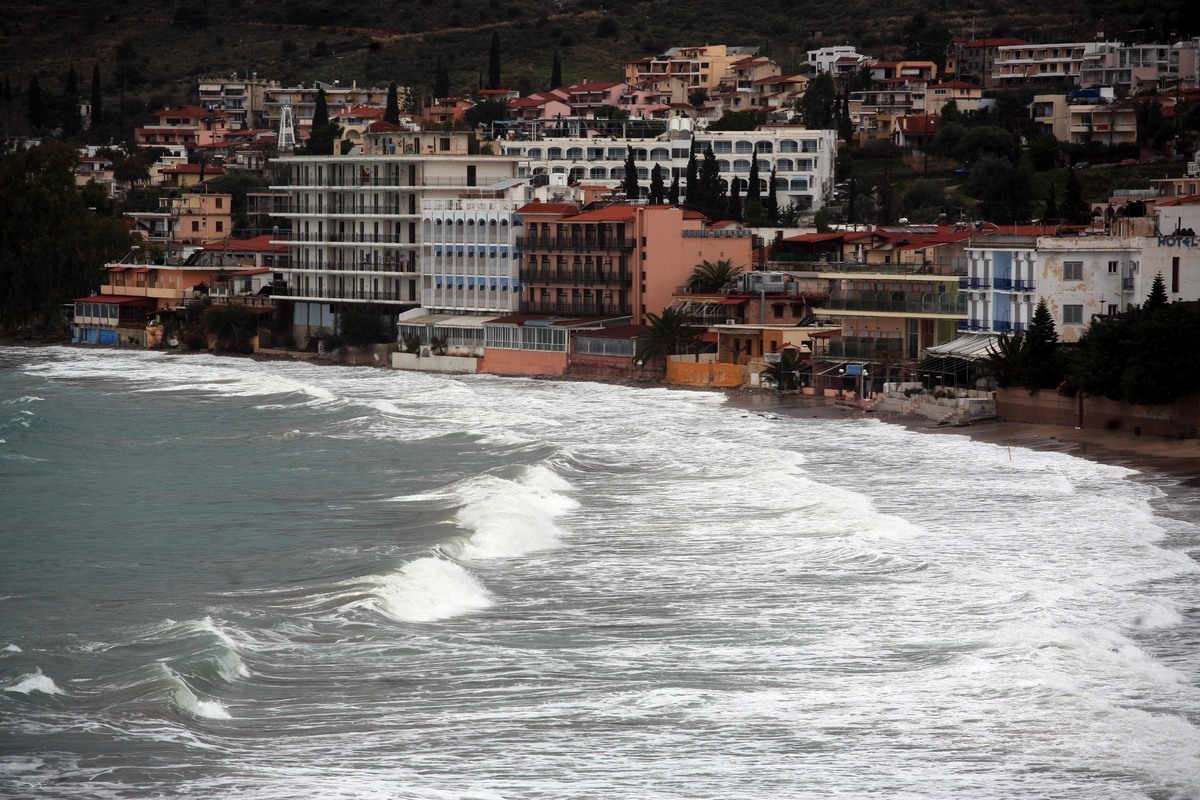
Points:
[(224, 578)]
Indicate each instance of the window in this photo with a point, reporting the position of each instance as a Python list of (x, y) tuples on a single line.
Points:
[(220, 226), (1113, 267), (1112, 309), (1072, 315), (1072, 270), (1175, 275), (195, 226), (220, 202)]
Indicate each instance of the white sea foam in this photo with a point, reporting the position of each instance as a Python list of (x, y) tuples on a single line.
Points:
[(429, 589), (188, 701), (35, 681), (510, 518), (12, 648)]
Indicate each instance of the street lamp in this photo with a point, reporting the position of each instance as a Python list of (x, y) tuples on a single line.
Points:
[(862, 395)]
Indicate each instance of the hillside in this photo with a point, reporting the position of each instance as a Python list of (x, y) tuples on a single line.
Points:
[(152, 52)]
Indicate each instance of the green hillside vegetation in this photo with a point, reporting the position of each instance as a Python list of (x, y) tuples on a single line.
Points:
[(151, 54)]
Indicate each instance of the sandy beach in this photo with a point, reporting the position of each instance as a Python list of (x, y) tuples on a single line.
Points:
[(1176, 459)]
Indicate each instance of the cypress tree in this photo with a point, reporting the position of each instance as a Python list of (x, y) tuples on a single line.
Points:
[(441, 80), (772, 200), (1051, 212), (735, 197), (1074, 209), (556, 72), (658, 192), (320, 110), (37, 106), (392, 114), (693, 168), (97, 97), (494, 62), (673, 192), (753, 193), (630, 184)]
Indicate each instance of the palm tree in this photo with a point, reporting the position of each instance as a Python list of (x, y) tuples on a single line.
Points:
[(783, 373), (668, 334), (132, 171), (709, 276)]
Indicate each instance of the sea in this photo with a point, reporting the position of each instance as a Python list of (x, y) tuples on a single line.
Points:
[(226, 578)]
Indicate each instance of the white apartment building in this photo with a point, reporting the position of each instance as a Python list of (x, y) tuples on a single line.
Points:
[(1061, 62), (1077, 276), (469, 259), (358, 225), (840, 59), (803, 159)]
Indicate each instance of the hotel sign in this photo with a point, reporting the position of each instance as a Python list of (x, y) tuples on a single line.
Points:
[(1179, 241), (735, 233)]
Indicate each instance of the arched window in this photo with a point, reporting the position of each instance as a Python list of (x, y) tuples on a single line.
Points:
[(766, 147), (722, 165), (598, 172), (781, 183), (741, 165), (799, 184), (535, 153), (783, 165), (660, 154), (639, 154), (743, 147), (574, 153), (643, 173), (788, 146), (554, 153)]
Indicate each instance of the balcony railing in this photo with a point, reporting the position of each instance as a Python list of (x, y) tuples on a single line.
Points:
[(581, 309), (898, 302), (803, 262), (577, 276), (375, 266), (569, 243), (1012, 285), (858, 347), (288, 290)]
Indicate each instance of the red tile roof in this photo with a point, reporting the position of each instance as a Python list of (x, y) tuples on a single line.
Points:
[(538, 207), (119, 299)]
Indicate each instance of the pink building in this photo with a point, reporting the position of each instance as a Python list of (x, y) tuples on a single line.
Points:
[(189, 126)]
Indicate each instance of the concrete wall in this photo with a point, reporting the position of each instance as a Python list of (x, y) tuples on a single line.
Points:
[(600, 367), (455, 364), (497, 361), (1178, 419), (689, 373)]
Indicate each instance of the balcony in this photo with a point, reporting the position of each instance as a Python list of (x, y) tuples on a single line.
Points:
[(1005, 326), (1012, 285), (576, 277), (577, 309), (350, 293), (859, 347), (885, 302)]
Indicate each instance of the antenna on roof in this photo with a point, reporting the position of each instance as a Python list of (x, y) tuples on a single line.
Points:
[(287, 130)]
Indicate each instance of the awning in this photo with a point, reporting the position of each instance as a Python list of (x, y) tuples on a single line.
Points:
[(971, 347)]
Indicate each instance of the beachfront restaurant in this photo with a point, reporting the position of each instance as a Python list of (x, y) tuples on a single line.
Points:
[(111, 319)]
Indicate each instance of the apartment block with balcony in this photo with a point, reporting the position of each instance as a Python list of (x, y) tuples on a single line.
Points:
[(184, 126), (469, 255), (803, 159), (1034, 64), (241, 99), (356, 225), (685, 69), (185, 220)]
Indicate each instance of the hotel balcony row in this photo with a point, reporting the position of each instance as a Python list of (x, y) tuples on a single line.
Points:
[(576, 277), (385, 182), (397, 267), (353, 209), (999, 284), (994, 326), (583, 309), (936, 304), (578, 244), (807, 262)]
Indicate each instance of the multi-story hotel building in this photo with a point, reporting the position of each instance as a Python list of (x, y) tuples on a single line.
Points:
[(357, 225), (803, 159)]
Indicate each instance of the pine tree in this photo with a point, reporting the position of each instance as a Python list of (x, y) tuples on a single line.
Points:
[(630, 184), (1157, 299), (1039, 365), (658, 192), (392, 114), (97, 97), (494, 62), (556, 72)]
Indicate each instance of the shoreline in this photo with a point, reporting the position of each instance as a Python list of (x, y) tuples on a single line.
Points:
[(1177, 460)]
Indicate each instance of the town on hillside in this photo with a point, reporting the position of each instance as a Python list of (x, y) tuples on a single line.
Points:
[(957, 237)]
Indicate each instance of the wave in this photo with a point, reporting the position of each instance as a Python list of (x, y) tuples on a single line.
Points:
[(428, 590), (25, 400), (186, 699), (510, 518), (12, 648), (35, 681)]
